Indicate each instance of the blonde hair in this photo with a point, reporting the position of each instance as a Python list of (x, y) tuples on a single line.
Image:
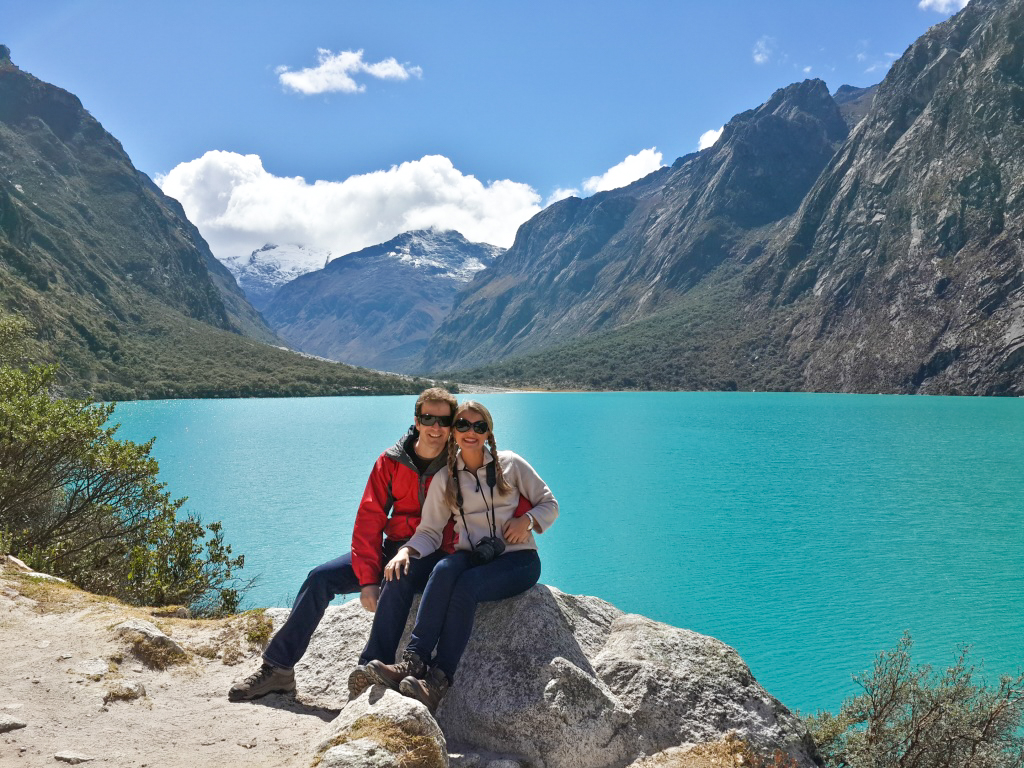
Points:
[(502, 485)]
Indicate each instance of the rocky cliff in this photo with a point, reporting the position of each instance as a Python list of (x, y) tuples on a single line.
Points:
[(377, 307), (585, 266), (904, 267), (790, 255)]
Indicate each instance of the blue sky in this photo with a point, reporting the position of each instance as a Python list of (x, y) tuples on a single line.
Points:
[(464, 114)]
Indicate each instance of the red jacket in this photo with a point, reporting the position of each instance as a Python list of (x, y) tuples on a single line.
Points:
[(391, 506)]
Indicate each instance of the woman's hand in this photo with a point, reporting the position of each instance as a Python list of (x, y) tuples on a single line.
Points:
[(399, 565), (517, 530)]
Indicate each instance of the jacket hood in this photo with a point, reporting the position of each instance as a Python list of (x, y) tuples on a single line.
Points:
[(403, 451)]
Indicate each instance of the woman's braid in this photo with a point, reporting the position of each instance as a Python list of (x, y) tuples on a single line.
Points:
[(499, 473), (450, 496)]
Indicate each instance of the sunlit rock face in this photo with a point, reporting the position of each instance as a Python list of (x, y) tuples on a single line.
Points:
[(904, 267)]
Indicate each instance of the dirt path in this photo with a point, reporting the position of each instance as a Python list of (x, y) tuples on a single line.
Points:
[(60, 657)]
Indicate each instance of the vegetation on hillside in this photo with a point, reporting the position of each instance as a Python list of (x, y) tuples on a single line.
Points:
[(912, 717), (705, 341), (161, 354), (78, 503)]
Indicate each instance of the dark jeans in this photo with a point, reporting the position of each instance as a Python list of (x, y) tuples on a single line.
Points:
[(337, 578), (447, 609)]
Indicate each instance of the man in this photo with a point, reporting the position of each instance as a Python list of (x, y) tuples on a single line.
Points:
[(387, 517)]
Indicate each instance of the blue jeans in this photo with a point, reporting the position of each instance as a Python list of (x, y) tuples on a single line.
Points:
[(448, 607), (337, 578)]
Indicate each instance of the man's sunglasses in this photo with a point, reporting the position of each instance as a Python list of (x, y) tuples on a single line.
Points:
[(429, 420), (464, 425)]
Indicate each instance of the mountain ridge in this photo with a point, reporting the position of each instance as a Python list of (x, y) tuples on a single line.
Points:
[(377, 306), (900, 269)]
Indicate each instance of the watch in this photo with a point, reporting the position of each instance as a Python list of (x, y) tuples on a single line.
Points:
[(532, 522)]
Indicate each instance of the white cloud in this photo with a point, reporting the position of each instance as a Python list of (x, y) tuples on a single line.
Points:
[(763, 50), (629, 170), (335, 70), (942, 6), (238, 206), (561, 194), (708, 138), (807, 70)]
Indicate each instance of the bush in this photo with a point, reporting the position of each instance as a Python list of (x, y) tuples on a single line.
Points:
[(913, 718), (79, 503)]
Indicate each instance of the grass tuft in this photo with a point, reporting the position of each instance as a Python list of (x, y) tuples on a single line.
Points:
[(411, 749)]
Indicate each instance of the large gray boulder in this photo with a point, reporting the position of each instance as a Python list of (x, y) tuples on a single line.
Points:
[(569, 681)]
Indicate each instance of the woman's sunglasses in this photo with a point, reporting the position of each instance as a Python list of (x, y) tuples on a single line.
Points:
[(464, 425), (429, 420)]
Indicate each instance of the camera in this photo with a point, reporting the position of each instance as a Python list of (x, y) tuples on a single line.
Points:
[(488, 548)]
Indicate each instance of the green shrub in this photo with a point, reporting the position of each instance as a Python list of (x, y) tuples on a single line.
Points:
[(910, 717), (78, 503)]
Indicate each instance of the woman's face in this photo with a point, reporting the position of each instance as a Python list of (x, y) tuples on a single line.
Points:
[(471, 441)]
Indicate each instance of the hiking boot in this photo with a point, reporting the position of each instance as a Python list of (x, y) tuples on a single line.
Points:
[(428, 690), (393, 674), (266, 679), (358, 681)]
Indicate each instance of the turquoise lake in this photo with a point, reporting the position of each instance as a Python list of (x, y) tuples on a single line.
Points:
[(806, 531)]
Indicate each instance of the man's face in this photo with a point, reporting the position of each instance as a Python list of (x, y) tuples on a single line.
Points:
[(434, 437)]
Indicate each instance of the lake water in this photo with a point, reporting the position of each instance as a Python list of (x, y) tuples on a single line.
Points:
[(806, 531)]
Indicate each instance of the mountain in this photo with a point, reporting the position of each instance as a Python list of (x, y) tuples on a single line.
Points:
[(790, 256), (266, 269), (903, 270), (586, 266), (119, 286), (377, 307)]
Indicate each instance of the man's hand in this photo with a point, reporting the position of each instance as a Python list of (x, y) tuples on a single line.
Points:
[(516, 530), (399, 565), (368, 596)]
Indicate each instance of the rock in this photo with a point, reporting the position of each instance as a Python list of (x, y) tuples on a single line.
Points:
[(92, 669), (322, 675), (382, 725), (46, 577), (72, 757), (360, 753), (152, 646), (17, 564), (8, 723), (10, 561), (124, 691), (571, 682)]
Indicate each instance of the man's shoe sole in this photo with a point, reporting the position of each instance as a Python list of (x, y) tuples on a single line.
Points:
[(358, 681)]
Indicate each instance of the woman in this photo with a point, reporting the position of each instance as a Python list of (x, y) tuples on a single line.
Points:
[(495, 557)]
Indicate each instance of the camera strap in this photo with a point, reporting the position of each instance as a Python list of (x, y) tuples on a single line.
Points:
[(491, 481)]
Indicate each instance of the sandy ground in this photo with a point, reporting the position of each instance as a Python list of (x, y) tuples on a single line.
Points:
[(59, 658)]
